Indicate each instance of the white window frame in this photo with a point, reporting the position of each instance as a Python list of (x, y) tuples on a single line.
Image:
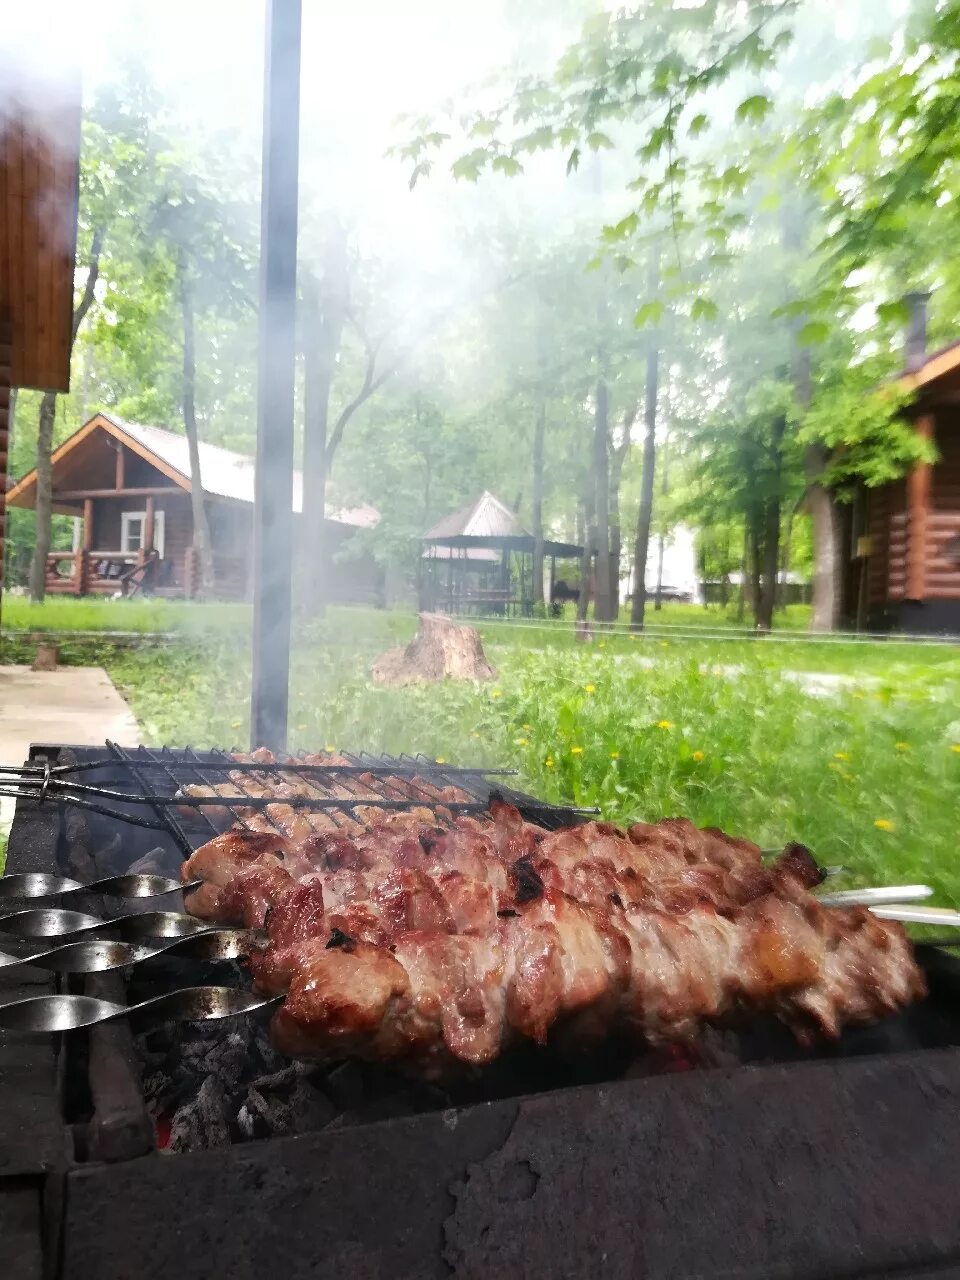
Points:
[(127, 518)]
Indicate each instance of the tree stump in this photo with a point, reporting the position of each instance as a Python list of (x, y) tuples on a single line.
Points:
[(46, 657), (441, 650)]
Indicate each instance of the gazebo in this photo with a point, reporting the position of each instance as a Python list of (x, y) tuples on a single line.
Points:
[(480, 559)]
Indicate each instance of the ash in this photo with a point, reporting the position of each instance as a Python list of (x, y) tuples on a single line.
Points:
[(221, 1084)]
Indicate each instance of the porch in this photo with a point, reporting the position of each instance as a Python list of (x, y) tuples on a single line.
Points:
[(129, 573)]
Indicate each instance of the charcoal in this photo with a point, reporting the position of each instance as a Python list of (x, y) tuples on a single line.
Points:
[(201, 1124)]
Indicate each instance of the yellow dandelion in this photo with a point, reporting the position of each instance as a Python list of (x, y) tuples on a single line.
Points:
[(841, 755), (496, 693), (441, 760), (664, 724), (664, 644), (576, 751), (902, 746), (602, 644), (520, 742), (614, 755), (474, 734), (525, 728), (955, 746), (698, 756), (884, 824), (549, 762), (330, 750), (847, 777), (589, 688), (235, 724), (832, 764)]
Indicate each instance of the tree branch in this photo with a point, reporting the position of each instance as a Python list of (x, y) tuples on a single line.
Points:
[(93, 273)]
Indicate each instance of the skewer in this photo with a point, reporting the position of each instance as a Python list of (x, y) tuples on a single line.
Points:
[(38, 884), (908, 914), (58, 922), (57, 1013), (99, 956), (871, 897)]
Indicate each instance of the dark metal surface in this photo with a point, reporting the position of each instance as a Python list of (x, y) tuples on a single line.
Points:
[(273, 501), (780, 1173)]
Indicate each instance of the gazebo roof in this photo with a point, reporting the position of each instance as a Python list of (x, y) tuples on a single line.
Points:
[(482, 517), (486, 522)]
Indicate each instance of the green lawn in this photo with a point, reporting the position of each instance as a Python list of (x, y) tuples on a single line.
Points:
[(750, 752)]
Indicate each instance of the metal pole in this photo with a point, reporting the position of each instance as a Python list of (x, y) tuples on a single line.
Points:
[(273, 509)]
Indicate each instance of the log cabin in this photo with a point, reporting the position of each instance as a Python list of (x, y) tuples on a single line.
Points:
[(902, 567), (128, 486), (39, 190)]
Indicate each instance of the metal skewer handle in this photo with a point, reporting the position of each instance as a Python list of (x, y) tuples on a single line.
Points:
[(99, 955), (54, 1013), (38, 884), (58, 922), (876, 897), (908, 914)]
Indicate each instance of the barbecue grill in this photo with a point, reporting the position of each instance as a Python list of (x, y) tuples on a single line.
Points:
[(192, 1147)]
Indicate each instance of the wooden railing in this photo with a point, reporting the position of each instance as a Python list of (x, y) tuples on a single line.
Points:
[(83, 573)]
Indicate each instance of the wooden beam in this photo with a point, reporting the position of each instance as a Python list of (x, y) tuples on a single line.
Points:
[(6, 363), (919, 485), (154, 491), (121, 466), (148, 524), (88, 524)]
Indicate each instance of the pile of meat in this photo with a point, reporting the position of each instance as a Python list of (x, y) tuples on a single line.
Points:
[(431, 939)]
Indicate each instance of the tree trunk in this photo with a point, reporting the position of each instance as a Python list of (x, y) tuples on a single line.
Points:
[(44, 499), (785, 549), (201, 529), (618, 456), (661, 536), (744, 569), (771, 530), (539, 431), (646, 488), (826, 545), (47, 416), (603, 605)]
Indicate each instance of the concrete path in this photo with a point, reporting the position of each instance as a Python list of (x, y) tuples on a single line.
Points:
[(73, 704)]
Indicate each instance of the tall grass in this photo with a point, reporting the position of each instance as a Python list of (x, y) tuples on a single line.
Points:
[(750, 753)]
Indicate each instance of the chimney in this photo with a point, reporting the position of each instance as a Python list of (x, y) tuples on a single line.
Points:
[(915, 345)]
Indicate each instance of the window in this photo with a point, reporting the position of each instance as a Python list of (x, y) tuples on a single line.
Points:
[(132, 527)]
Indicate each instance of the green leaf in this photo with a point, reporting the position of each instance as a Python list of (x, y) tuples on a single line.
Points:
[(621, 230), (704, 309), (650, 313), (598, 141), (470, 165), (573, 160), (507, 165), (893, 312), (770, 203), (699, 124), (754, 110), (812, 332)]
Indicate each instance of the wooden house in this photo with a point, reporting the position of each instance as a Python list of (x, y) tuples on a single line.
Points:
[(903, 539), (129, 488), (39, 185)]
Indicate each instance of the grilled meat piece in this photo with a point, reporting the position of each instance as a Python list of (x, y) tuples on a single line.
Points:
[(438, 944), (558, 968)]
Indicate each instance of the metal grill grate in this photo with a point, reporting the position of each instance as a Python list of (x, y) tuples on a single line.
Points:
[(341, 792)]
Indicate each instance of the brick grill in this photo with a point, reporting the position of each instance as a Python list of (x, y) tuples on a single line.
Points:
[(778, 1164)]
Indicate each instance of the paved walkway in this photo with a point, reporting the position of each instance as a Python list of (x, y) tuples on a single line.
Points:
[(74, 704)]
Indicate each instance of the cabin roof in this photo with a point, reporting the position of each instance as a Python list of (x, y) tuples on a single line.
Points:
[(224, 473), (940, 371)]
